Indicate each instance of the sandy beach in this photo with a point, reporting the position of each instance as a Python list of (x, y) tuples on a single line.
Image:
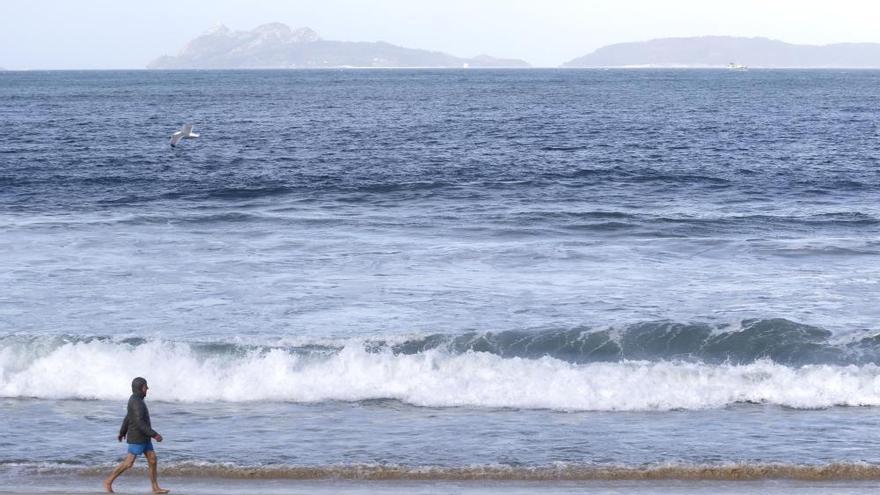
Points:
[(138, 484)]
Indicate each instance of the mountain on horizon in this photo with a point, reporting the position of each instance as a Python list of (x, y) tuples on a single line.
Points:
[(719, 51), (277, 46)]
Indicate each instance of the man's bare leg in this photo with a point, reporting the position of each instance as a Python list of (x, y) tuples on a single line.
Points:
[(121, 468), (154, 475)]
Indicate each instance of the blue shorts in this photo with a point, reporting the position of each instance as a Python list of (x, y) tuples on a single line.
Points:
[(140, 448)]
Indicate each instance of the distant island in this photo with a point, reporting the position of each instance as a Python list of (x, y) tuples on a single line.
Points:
[(720, 51), (277, 46)]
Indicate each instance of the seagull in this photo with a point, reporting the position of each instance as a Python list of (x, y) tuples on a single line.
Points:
[(186, 132)]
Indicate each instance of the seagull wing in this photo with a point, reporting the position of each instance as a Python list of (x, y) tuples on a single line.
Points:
[(176, 137)]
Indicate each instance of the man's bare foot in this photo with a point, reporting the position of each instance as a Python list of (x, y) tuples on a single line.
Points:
[(160, 490), (108, 486)]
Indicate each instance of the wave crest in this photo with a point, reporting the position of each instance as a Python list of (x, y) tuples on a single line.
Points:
[(776, 339)]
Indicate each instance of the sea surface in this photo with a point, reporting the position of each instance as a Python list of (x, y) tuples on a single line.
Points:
[(525, 275)]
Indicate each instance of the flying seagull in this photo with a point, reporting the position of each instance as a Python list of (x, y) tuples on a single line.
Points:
[(186, 132)]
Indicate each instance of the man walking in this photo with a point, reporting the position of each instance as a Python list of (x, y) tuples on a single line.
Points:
[(137, 431)]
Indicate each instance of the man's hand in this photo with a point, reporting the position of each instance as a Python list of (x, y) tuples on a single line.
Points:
[(120, 437), (158, 437)]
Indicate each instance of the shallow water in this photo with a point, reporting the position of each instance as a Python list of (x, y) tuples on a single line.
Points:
[(332, 435)]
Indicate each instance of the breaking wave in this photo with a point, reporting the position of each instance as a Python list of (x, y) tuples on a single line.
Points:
[(638, 370)]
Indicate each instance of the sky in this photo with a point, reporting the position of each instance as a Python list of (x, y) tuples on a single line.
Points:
[(123, 34)]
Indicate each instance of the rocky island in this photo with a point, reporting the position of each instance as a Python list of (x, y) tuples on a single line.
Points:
[(277, 46)]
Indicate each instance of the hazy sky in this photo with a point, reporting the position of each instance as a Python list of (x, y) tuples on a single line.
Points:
[(103, 34)]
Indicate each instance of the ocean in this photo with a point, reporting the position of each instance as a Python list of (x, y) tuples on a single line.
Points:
[(555, 276)]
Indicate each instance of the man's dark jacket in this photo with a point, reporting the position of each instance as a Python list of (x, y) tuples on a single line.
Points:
[(136, 425)]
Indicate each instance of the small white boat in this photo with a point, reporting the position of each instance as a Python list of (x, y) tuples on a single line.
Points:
[(735, 66)]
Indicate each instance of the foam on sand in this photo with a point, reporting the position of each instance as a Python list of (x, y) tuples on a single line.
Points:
[(491, 472)]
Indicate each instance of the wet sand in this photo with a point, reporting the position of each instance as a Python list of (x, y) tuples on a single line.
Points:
[(138, 484)]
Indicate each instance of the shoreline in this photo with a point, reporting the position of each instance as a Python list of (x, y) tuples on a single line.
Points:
[(140, 484), (733, 472)]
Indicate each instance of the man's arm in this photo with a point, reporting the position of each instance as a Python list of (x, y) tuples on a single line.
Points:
[(123, 430)]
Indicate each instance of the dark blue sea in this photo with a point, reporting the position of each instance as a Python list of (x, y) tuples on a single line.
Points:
[(443, 274)]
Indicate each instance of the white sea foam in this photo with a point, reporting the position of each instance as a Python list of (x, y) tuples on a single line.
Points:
[(179, 372)]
